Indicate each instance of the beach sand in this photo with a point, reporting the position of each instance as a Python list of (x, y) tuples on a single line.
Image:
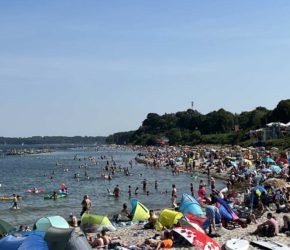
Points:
[(134, 234)]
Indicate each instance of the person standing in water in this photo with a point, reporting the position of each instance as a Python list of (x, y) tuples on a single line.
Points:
[(129, 191), (15, 200), (144, 184), (86, 204), (174, 195), (117, 191), (192, 189), (156, 185)]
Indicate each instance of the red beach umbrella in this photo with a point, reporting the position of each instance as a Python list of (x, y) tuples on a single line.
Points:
[(194, 218), (197, 239), (284, 160)]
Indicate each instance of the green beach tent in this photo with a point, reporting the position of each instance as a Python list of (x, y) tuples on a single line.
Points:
[(96, 223), (45, 223)]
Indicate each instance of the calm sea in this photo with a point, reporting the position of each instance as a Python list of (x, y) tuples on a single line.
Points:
[(19, 173)]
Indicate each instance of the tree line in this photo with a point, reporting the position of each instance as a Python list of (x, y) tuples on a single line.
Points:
[(54, 140), (190, 127)]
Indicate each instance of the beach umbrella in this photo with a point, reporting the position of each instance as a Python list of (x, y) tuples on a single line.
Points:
[(275, 169), (261, 189), (276, 183), (248, 162), (196, 238), (233, 163), (268, 160), (250, 170), (6, 228), (266, 170), (283, 160), (184, 222)]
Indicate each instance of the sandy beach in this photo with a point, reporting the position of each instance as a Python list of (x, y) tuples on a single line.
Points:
[(135, 234)]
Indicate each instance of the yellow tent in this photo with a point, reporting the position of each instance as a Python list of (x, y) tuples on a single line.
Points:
[(169, 217), (139, 211)]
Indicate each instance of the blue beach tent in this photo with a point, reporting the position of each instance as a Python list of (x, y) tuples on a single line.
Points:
[(226, 211), (189, 204), (32, 242)]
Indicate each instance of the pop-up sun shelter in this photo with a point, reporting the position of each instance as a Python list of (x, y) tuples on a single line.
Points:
[(66, 239), (96, 223), (226, 211), (168, 218), (45, 223), (189, 204), (32, 242), (139, 211)]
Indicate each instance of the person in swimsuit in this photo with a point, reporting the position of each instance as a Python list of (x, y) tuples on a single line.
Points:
[(15, 200)]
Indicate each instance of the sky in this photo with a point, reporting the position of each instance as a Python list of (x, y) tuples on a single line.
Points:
[(93, 68)]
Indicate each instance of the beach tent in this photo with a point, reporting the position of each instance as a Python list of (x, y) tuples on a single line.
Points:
[(139, 211), (168, 218), (226, 211), (11, 243), (95, 223), (196, 238), (45, 223), (32, 242), (66, 239), (189, 204), (6, 228), (28, 233)]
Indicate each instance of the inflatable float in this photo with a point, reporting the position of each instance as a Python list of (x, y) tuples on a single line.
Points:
[(35, 191), (9, 198), (58, 196)]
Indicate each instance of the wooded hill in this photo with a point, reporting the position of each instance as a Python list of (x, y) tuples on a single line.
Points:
[(191, 127)]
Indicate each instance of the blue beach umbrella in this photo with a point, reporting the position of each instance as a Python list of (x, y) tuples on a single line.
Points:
[(261, 188), (250, 170), (268, 160), (258, 177), (233, 163), (275, 169)]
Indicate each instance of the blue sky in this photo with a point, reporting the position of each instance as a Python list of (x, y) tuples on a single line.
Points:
[(99, 67)]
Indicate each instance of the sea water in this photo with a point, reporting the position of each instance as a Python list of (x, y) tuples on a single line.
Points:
[(47, 171)]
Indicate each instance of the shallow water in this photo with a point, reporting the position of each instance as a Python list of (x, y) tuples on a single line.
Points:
[(19, 173)]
